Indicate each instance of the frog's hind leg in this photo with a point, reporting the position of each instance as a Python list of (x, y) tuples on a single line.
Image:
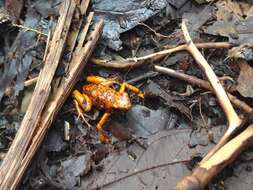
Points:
[(103, 137), (134, 89), (83, 100)]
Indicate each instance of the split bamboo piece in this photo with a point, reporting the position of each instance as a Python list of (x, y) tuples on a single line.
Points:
[(40, 115), (59, 97), (16, 152)]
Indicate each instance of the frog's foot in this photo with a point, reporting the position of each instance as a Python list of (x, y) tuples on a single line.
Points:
[(103, 137), (81, 113), (79, 110), (83, 100)]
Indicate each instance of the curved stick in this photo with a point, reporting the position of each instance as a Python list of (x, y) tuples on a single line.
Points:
[(170, 49), (234, 121), (203, 84)]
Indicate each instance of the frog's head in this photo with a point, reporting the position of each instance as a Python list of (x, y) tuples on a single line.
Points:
[(123, 102)]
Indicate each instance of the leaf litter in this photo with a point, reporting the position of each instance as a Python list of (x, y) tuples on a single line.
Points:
[(161, 138)]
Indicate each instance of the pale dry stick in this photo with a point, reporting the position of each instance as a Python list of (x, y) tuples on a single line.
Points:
[(16, 152), (82, 37), (207, 45), (85, 30), (30, 29), (234, 121), (47, 45), (58, 98), (82, 5), (203, 173), (34, 80), (30, 81), (203, 84), (151, 29), (139, 61), (157, 55)]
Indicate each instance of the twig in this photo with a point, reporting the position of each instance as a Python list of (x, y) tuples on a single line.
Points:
[(158, 55), (207, 45), (30, 81), (142, 77), (225, 151), (203, 84), (156, 33), (76, 29), (234, 121), (138, 172), (30, 29), (138, 61)]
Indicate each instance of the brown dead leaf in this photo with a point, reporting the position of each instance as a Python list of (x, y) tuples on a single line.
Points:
[(231, 21), (160, 166), (239, 9), (242, 178), (245, 80), (14, 7)]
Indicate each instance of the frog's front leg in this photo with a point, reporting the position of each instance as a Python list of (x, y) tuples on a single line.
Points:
[(82, 103)]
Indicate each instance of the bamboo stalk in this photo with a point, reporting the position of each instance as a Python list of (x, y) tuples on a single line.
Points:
[(59, 97), (16, 152)]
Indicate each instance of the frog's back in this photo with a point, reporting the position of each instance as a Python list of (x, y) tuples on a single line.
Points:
[(104, 97)]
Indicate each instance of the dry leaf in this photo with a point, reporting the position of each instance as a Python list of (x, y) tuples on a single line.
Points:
[(231, 23), (157, 167), (238, 9), (245, 80)]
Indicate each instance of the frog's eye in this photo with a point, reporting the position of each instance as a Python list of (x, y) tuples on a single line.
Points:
[(116, 86)]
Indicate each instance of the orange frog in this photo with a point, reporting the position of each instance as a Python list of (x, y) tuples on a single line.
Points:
[(99, 93)]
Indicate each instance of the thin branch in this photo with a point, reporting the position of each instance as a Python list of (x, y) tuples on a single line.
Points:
[(156, 33), (29, 29), (139, 61), (138, 172), (203, 84)]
